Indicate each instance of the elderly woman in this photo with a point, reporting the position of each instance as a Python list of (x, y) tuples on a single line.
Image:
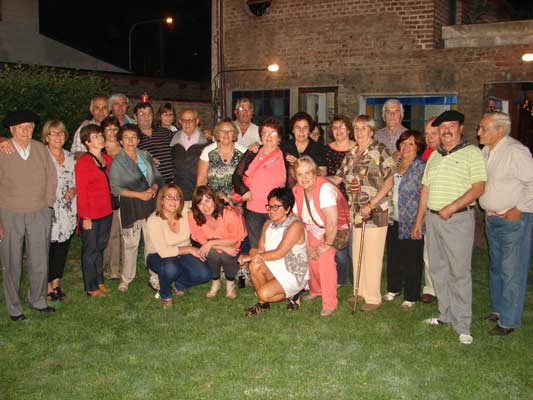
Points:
[(341, 131), (405, 255), (219, 229), (111, 126), (319, 204), (257, 174), (133, 177), (169, 249), (278, 266), (301, 125), (94, 207), (166, 117), (218, 160), (54, 135), (367, 170)]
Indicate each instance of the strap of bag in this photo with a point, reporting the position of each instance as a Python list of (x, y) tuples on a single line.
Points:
[(310, 213)]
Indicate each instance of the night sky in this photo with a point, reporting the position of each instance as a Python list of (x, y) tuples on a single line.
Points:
[(100, 28)]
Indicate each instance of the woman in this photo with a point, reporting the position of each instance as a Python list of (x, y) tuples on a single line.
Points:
[(166, 116), (111, 126), (367, 170), (405, 255), (317, 134), (278, 267), (133, 177), (218, 160), (341, 131), (323, 210), (94, 207), (220, 230), (54, 135), (169, 249), (301, 124), (257, 174)]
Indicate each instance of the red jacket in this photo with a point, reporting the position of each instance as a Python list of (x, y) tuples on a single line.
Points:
[(92, 188)]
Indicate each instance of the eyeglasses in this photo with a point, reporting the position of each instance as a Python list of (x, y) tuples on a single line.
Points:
[(274, 207), (273, 133), (245, 109), (172, 198), (56, 133), (338, 127), (188, 121)]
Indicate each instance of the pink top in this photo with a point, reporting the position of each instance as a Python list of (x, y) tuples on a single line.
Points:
[(231, 228), (270, 175)]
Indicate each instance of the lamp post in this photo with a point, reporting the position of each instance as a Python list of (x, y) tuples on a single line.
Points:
[(167, 20), (218, 92)]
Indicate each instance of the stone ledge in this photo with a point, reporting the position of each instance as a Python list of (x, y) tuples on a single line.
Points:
[(488, 35)]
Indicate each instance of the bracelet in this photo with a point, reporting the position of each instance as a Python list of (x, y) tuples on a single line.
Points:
[(328, 244), (372, 207)]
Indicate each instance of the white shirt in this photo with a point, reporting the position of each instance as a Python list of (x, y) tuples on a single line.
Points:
[(182, 138), (510, 177), (24, 153), (209, 148), (249, 137), (327, 198)]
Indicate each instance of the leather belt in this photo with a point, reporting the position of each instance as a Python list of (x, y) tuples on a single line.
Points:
[(458, 211)]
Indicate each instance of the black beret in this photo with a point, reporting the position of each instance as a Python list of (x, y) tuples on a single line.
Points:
[(19, 117), (450, 115)]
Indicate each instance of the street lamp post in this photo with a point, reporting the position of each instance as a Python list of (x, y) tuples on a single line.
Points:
[(218, 92), (167, 20)]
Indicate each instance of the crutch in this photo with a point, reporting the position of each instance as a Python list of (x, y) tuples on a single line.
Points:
[(357, 275)]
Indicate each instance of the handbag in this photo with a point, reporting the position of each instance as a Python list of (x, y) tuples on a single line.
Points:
[(341, 238)]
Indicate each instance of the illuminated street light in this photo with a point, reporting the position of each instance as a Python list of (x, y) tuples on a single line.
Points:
[(168, 20)]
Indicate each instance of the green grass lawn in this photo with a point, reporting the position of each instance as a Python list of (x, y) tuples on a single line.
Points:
[(126, 346)]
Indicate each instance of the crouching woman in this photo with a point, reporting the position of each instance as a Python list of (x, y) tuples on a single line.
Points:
[(278, 267), (170, 254)]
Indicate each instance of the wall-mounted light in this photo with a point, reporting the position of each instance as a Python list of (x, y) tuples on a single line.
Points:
[(527, 57)]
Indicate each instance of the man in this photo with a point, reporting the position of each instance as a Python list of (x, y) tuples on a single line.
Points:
[(454, 178), (27, 194), (508, 205), (118, 104), (392, 114), (99, 111), (248, 131), (431, 134), (187, 146), (155, 140)]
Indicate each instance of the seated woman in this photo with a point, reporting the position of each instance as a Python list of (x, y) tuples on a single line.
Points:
[(220, 230), (168, 246), (278, 267)]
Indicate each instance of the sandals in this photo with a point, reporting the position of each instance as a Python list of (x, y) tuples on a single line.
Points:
[(293, 303), (257, 308), (166, 302), (59, 294), (178, 293)]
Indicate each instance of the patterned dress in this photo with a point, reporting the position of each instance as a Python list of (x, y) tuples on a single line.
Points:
[(334, 160), (291, 271), (65, 213)]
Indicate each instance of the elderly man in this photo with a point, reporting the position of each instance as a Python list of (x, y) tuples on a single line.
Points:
[(155, 140), (508, 205), (27, 194), (454, 178), (118, 104), (392, 114), (187, 146), (248, 131), (431, 134), (99, 111)]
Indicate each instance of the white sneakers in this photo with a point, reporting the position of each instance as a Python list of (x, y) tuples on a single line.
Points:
[(390, 296), (465, 339), (432, 321)]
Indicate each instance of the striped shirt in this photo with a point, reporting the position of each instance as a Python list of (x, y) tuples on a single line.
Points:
[(449, 177), (158, 145), (389, 138)]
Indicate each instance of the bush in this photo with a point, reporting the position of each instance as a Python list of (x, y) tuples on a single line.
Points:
[(50, 93)]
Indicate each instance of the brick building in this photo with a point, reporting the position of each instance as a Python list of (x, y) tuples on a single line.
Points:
[(348, 56)]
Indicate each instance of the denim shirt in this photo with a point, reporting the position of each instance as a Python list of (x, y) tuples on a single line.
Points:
[(408, 197)]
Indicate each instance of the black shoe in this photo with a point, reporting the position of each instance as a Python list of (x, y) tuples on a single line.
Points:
[(60, 295), (257, 309), (46, 310), (500, 331), (293, 303), (20, 317), (492, 317), (52, 296)]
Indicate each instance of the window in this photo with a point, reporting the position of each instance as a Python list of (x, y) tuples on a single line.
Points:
[(267, 103), (319, 103)]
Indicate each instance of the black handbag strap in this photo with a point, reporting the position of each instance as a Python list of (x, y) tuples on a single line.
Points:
[(309, 210), (101, 167)]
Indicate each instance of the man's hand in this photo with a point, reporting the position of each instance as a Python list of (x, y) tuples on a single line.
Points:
[(513, 214), (87, 224), (446, 212)]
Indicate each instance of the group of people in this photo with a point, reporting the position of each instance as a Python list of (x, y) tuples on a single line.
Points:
[(299, 213)]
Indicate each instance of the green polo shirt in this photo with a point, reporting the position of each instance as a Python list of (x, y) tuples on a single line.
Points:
[(449, 177)]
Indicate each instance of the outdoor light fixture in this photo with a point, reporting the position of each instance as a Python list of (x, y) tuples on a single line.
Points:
[(218, 92), (527, 57), (167, 20)]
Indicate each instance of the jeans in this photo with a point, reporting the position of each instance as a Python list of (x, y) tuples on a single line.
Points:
[(93, 244), (185, 271), (254, 225), (510, 251), (343, 260)]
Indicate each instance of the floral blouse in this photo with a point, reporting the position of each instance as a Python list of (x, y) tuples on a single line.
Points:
[(372, 168), (65, 213), (220, 172)]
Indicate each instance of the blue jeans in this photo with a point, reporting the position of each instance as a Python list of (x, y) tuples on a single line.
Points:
[(185, 271), (343, 260), (510, 251)]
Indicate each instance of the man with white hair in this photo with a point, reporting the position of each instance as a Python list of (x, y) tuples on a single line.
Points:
[(118, 104), (248, 131), (392, 114), (508, 205)]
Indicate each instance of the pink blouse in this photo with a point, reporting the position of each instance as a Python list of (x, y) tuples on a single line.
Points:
[(270, 175), (232, 228)]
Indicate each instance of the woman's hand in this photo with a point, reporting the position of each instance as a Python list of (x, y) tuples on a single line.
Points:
[(243, 259), (205, 249), (69, 194), (229, 250), (6, 147), (313, 252), (148, 194), (254, 147), (87, 224), (247, 196), (196, 253), (416, 232), (290, 159), (365, 211)]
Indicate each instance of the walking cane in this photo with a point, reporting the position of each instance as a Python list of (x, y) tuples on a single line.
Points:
[(359, 263)]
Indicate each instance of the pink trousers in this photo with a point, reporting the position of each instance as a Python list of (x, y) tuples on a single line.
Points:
[(323, 274)]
